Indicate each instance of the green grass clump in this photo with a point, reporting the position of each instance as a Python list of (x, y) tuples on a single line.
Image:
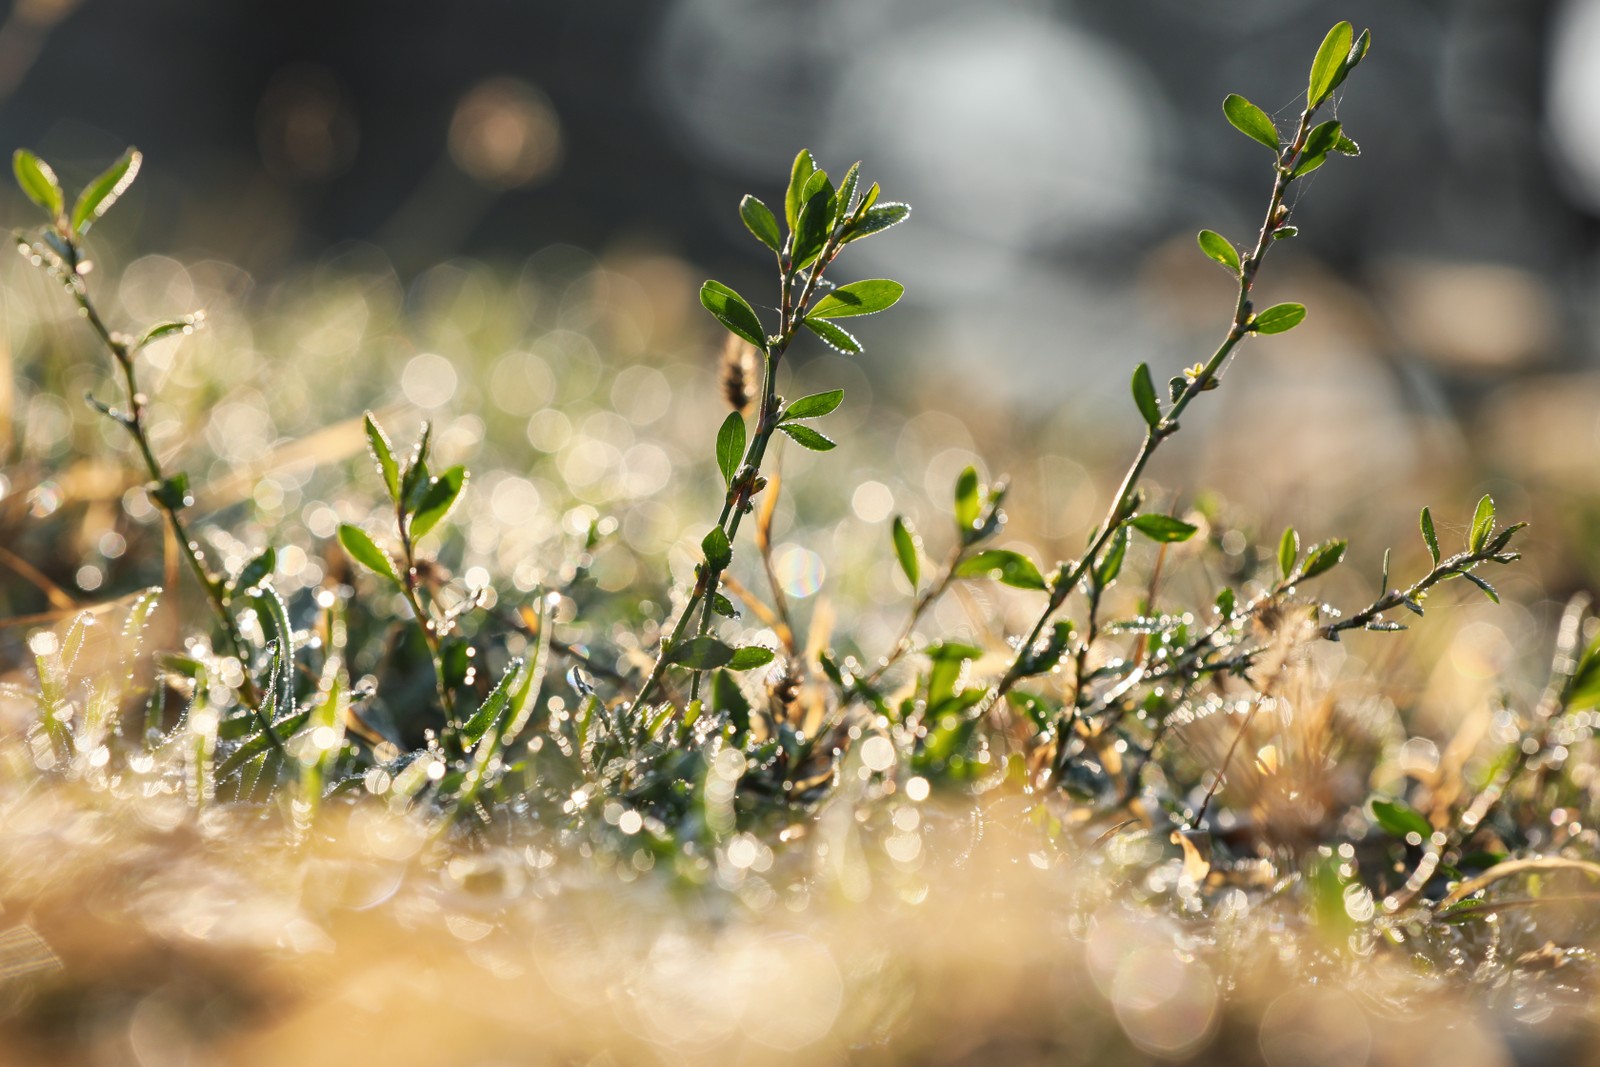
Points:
[(1159, 754)]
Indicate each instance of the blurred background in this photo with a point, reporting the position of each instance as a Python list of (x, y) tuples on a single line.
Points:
[(497, 214)]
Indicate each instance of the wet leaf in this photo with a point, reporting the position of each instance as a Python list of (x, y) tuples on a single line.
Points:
[(1111, 562), (1288, 551), (1323, 558), (365, 551), (1482, 524), (1399, 819), (750, 657), (1488, 590), (834, 336), (256, 571), (383, 454), (804, 167), (806, 437), (437, 501), (878, 219), (719, 553), (99, 195), (967, 503), (38, 182), (1430, 536), (701, 653)]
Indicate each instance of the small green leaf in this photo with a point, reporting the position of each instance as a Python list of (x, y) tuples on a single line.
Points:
[(442, 494), (1482, 524), (750, 657), (806, 437), (1328, 68), (99, 195), (1488, 590), (1219, 248), (723, 606), (1308, 164), (365, 551), (1346, 147), (878, 219), (1322, 139), (759, 220), (1163, 528), (1322, 558), (858, 298), (730, 446), (1279, 318), (1430, 536), (1011, 568), (847, 192), (1144, 395), (1226, 601), (814, 406), (1250, 120), (905, 549), (834, 336), (719, 553), (186, 325), (1288, 551), (804, 167), (816, 220), (967, 503), (731, 309), (38, 182), (383, 454), (701, 653), (256, 571), (1399, 819), (1111, 561)]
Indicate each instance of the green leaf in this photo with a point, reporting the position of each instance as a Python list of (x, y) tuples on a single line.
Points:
[(256, 571), (383, 454), (1163, 528), (365, 551), (1279, 318), (858, 298), (1288, 551), (878, 219), (1488, 590), (701, 653), (1250, 120), (730, 446), (905, 549), (1219, 248), (1430, 536), (1321, 140), (38, 182), (816, 220), (1011, 568), (186, 325), (494, 705), (806, 437), (730, 309), (1144, 395), (847, 192), (1482, 524), (814, 406), (729, 699), (967, 502), (719, 553), (804, 167), (1308, 164), (750, 657), (99, 195), (1327, 69), (1111, 562), (834, 336), (723, 606), (759, 220), (1399, 819), (1322, 558), (1346, 147), (441, 496)]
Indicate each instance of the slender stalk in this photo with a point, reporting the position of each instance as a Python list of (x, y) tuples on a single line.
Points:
[(425, 621), (1070, 575)]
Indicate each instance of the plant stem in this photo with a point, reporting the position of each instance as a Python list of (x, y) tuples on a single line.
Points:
[(1070, 575)]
